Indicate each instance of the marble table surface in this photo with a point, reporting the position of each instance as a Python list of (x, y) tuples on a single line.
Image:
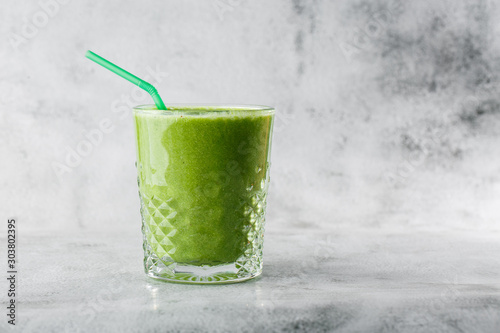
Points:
[(338, 279)]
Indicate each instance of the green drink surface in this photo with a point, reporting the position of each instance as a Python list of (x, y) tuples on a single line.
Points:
[(203, 178)]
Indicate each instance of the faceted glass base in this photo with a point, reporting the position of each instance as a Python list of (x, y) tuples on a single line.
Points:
[(206, 274), (246, 267)]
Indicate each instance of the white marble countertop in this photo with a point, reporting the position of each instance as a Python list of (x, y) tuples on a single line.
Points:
[(370, 279)]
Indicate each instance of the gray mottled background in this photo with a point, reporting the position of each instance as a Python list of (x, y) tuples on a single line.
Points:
[(383, 213), (384, 107)]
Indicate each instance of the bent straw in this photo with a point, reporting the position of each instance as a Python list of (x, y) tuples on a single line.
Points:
[(128, 76)]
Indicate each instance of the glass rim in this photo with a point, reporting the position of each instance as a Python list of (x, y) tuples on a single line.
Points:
[(202, 108)]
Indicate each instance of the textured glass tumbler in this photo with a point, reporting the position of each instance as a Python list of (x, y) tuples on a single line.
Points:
[(203, 175)]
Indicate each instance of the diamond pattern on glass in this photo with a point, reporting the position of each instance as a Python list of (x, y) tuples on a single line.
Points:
[(157, 229), (254, 211)]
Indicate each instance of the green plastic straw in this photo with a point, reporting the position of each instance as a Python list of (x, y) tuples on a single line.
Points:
[(128, 76)]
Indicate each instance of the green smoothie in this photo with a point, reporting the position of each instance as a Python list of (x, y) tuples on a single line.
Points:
[(203, 175)]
